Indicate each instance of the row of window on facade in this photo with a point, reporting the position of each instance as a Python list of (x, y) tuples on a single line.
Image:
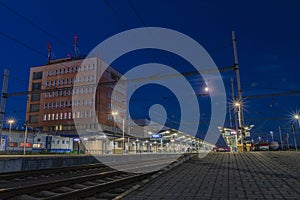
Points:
[(65, 70), (116, 97), (69, 81), (59, 82), (84, 90), (66, 104), (60, 93), (77, 91), (58, 104), (69, 115)]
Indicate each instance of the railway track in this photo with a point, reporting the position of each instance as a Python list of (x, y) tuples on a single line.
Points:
[(95, 181)]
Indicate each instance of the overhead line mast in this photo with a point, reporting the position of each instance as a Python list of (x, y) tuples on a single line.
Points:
[(240, 97)]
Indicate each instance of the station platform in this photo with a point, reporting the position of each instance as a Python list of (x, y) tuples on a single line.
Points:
[(251, 175), (127, 162)]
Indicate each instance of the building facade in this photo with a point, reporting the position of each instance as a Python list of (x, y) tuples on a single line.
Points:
[(66, 90)]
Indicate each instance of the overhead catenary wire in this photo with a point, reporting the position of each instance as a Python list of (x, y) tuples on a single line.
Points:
[(61, 42)]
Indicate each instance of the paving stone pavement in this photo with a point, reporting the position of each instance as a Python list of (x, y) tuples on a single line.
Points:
[(251, 175)]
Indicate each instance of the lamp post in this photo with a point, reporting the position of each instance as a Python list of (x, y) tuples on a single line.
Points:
[(243, 135), (238, 105), (25, 138), (10, 122), (296, 117), (114, 113), (123, 131)]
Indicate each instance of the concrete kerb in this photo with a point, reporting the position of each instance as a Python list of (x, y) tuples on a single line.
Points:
[(176, 163)]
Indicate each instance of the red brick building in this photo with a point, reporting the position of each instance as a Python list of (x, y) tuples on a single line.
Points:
[(52, 95)]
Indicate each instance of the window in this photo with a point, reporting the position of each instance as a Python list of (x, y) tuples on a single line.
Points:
[(36, 86), (45, 117), (56, 117), (53, 116), (49, 116), (37, 75), (35, 97), (65, 115), (34, 107), (114, 76)]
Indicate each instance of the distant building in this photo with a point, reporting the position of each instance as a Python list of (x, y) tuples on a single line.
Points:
[(51, 87)]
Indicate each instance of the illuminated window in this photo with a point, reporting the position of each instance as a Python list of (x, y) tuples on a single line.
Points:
[(45, 117)]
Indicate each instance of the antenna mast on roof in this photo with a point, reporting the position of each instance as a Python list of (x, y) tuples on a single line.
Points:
[(49, 52), (75, 45)]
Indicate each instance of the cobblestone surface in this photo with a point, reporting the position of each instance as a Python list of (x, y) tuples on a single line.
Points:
[(255, 175)]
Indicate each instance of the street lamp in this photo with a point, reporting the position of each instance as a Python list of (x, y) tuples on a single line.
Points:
[(25, 137), (297, 117), (10, 122), (238, 105), (114, 113)]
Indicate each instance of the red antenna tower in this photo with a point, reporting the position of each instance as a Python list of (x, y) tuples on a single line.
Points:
[(75, 45), (49, 52)]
